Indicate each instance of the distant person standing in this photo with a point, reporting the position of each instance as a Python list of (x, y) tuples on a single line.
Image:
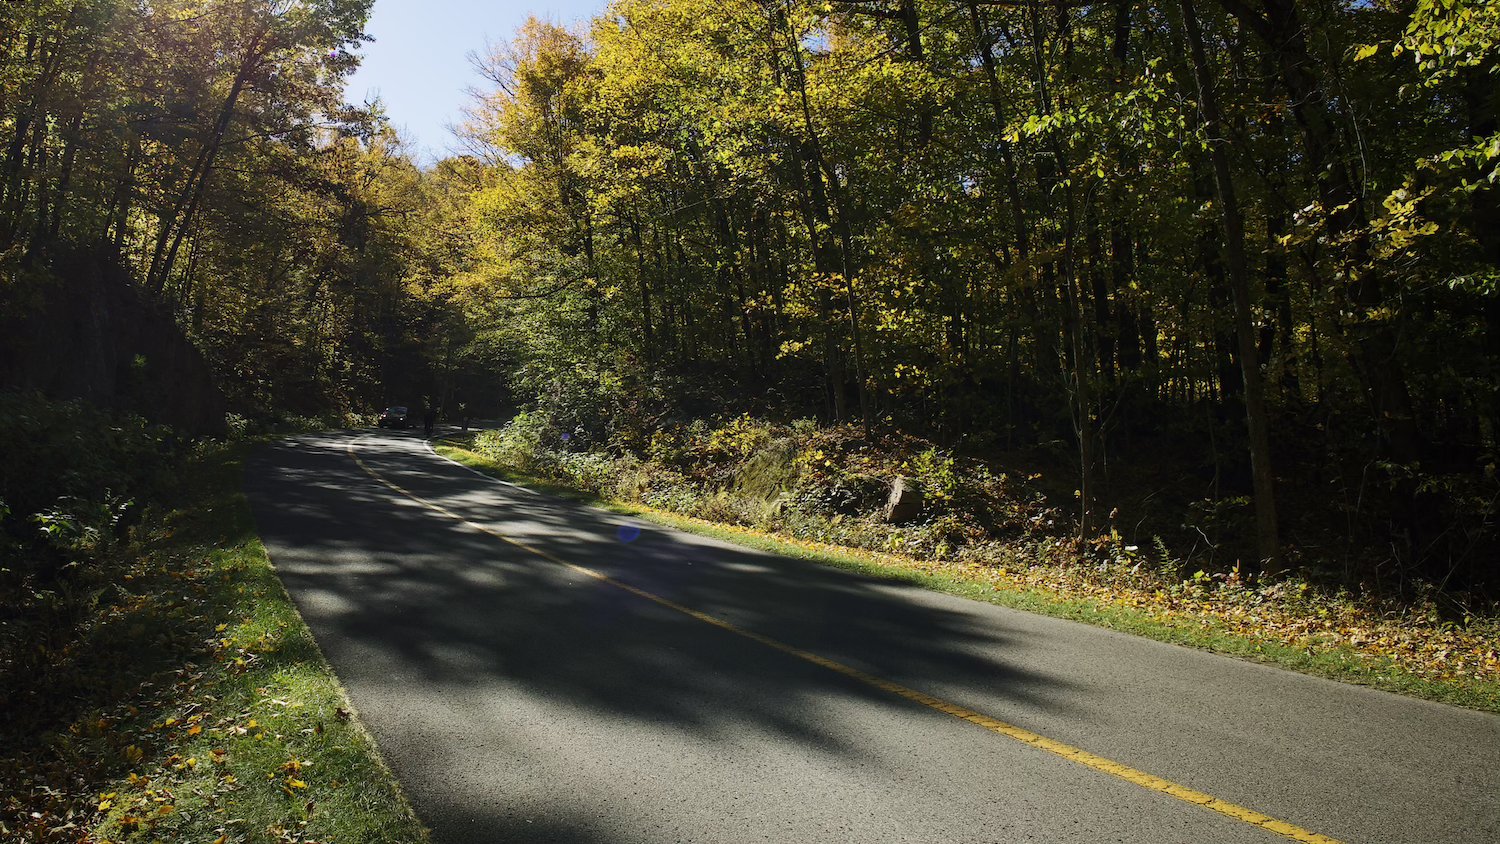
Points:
[(429, 419)]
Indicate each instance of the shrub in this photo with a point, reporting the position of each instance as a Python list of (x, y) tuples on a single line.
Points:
[(74, 479), (936, 472), (827, 484), (739, 439), (68, 459), (770, 471), (522, 442)]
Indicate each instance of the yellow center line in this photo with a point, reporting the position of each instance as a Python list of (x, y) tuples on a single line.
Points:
[(994, 725)]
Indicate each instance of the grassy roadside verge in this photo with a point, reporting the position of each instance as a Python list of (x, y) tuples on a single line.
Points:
[(198, 706), (1060, 598)]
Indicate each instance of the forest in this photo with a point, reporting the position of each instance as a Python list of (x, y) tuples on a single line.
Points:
[(202, 154), (1175, 317), (1207, 276), (1207, 264)]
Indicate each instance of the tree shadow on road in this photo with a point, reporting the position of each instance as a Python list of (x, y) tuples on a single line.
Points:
[(403, 597)]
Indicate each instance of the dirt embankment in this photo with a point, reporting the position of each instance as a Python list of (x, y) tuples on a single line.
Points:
[(81, 329)]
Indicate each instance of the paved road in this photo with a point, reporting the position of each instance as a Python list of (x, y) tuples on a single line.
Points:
[(520, 699)]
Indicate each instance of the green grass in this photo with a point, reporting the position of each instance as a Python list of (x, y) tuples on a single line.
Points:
[(280, 756), (1204, 633), (205, 711)]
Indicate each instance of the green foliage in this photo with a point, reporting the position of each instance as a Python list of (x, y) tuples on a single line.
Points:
[(76, 479), (1002, 228), (188, 700), (1445, 37), (72, 470), (739, 439), (81, 528), (524, 441), (208, 148), (828, 484), (934, 470)]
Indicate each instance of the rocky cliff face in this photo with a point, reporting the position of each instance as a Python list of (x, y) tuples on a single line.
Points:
[(81, 329)]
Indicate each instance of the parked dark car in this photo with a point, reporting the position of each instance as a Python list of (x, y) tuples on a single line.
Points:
[(395, 417)]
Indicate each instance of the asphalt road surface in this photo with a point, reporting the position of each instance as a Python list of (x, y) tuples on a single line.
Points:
[(538, 670)]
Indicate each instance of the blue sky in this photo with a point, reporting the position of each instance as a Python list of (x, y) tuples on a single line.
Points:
[(419, 65)]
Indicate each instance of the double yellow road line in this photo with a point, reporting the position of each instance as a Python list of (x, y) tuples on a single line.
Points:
[(994, 725)]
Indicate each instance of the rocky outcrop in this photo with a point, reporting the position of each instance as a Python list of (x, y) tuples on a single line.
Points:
[(904, 502)]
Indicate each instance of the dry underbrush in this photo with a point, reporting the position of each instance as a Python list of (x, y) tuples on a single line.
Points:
[(827, 486)]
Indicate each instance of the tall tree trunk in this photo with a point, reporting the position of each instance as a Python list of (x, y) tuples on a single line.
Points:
[(644, 283), (1266, 532), (176, 223), (1007, 154), (1079, 355), (816, 179), (53, 226), (1375, 341)]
